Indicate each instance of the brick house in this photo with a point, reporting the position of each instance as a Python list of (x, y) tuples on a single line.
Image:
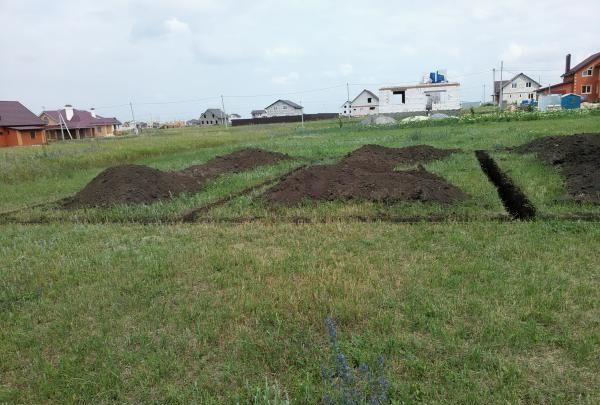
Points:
[(583, 79), (77, 123), (19, 126)]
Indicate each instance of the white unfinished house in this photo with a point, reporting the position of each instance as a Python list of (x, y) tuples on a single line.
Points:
[(415, 98), (516, 90), (366, 103), (283, 108)]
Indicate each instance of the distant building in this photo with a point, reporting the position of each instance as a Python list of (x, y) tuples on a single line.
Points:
[(443, 96), (283, 108), (213, 116), (19, 126), (366, 103), (234, 117), (192, 123), (516, 90), (76, 124), (258, 113), (583, 80)]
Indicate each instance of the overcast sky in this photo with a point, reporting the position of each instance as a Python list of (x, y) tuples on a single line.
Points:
[(186, 53)]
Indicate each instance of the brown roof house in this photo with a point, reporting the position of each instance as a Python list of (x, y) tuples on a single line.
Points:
[(583, 79), (70, 123), (19, 126)]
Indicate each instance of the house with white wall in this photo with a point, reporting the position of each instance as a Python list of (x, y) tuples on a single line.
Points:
[(516, 90), (444, 96), (366, 103), (283, 108)]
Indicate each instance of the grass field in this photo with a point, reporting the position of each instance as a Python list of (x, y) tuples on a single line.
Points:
[(477, 311)]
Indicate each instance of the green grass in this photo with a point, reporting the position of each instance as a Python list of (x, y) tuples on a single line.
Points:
[(464, 312)]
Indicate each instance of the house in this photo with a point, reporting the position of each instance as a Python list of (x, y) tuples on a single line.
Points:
[(442, 96), (234, 117), (366, 103), (71, 123), (213, 116), (192, 123), (19, 126), (583, 80), (284, 108), (516, 90), (258, 114)]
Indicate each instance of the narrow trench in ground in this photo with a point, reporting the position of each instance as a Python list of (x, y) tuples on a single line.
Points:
[(515, 201)]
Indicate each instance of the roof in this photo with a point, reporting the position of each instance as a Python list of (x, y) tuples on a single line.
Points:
[(583, 64), (500, 84), (14, 114), (288, 102), (24, 128), (507, 82), (420, 86), (253, 112), (81, 119), (216, 111)]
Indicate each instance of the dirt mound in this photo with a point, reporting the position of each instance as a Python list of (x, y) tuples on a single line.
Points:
[(134, 184), (236, 162), (578, 157), (376, 157), (367, 174)]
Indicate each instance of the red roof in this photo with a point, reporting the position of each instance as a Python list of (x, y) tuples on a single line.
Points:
[(15, 114), (585, 64), (81, 119)]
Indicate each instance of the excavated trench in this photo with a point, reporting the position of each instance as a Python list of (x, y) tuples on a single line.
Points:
[(514, 200)]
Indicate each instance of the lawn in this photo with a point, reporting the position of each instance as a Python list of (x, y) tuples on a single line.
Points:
[(469, 310)]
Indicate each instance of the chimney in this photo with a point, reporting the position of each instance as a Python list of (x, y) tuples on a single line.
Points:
[(568, 64), (68, 112), (93, 112)]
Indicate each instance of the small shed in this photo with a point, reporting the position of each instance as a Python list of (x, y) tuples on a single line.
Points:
[(570, 101)]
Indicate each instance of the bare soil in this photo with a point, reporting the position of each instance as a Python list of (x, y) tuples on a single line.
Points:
[(577, 156), (368, 174), (134, 184)]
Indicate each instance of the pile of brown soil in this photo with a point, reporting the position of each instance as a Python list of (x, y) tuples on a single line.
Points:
[(235, 162), (578, 157), (133, 184), (367, 174), (376, 157)]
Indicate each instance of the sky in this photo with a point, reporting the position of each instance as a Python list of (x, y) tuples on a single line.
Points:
[(172, 59)]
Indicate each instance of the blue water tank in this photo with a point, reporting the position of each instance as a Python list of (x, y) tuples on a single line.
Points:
[(570, 101)]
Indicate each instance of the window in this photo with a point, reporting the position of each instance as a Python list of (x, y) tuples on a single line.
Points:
[(435, 96), (370, 100), (528, 84), (399, 97), (531, 96), (371, 108), (588, 72), (514, 85), (587, 89), (32, 134), (285, 107)]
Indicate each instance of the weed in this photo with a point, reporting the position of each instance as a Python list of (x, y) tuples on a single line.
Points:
[(352, 386)]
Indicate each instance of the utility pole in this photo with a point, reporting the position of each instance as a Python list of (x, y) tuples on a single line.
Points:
[(225, 113), (348, 90), (501, 86), (135, 130), (302, 110), (483, 98), (494, 86)]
